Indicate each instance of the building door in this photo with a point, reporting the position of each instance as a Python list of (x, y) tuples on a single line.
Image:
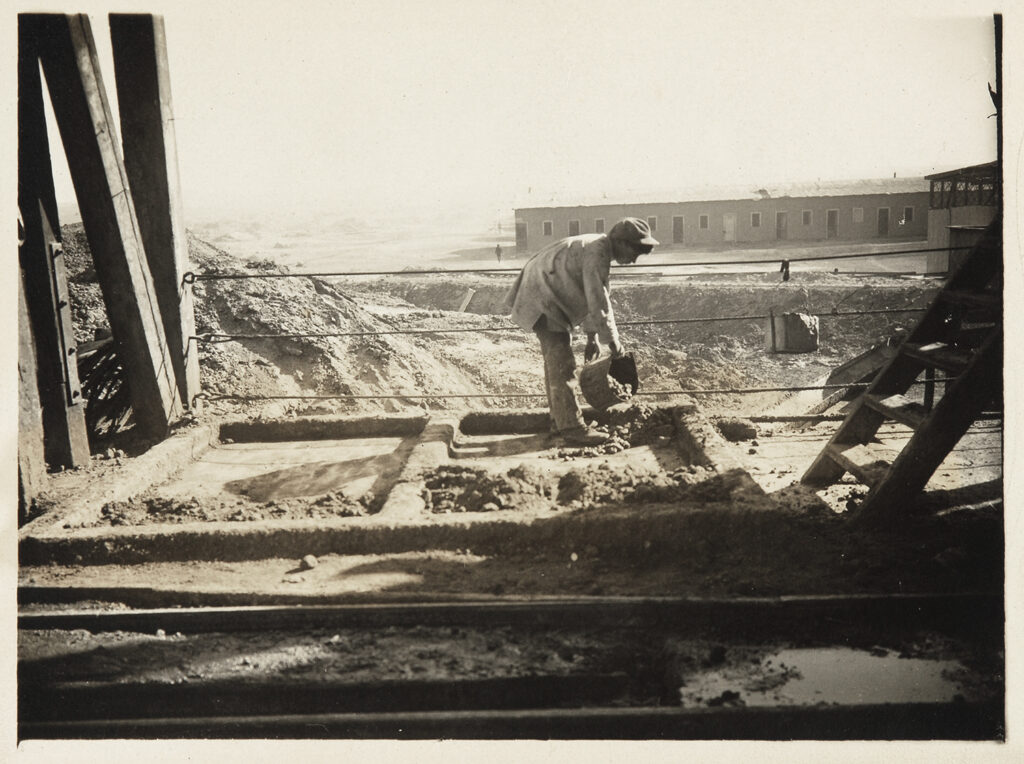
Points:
[(677, 229), (521, 243), (831, 224), (781, 225), (729, 226), (883, 221)]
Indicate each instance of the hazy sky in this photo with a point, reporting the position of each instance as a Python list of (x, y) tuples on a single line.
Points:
[(479, 104)]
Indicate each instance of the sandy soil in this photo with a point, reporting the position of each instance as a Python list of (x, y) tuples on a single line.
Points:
[(813, 554), (505, 363)]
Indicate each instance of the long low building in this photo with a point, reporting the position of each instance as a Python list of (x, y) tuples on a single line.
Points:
[(894, 208)]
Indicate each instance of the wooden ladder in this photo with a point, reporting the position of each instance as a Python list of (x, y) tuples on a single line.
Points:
[(959, 334)]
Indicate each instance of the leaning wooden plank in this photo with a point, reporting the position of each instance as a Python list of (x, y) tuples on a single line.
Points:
[(31, 463), (65, 441), (105, 202), (151, 161)]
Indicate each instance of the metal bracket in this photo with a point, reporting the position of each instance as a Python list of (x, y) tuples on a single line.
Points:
[(62, 312)]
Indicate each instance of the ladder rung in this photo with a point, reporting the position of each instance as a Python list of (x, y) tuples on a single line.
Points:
[(973, 336), (867, 470), (899, 408), (938, 355), (984, 300)]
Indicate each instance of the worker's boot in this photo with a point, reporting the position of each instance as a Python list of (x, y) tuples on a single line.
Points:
[(582, 437)]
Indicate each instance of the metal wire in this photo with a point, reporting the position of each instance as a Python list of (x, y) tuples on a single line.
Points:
[(702, 391), (216, 338), (191, 277)]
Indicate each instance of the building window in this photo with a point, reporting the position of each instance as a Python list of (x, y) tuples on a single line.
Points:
[(755, 219), (908, 215), (807, 217), (548, 227), (574, 228), (703, 222), (653, 223), (858, 214), (599, 225)]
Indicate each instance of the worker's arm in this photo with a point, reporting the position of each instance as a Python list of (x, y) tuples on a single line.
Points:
[(600, 320)]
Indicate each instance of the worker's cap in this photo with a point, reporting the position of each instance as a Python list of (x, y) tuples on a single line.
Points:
[(634, 231)]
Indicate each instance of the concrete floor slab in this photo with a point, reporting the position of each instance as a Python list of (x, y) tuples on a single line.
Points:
[(270, 471)]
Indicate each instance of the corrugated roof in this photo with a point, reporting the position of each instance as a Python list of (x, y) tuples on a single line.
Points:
[(730, 193), (987, 167)]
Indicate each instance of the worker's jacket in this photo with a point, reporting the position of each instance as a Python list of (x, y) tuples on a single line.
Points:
[(567, 282)]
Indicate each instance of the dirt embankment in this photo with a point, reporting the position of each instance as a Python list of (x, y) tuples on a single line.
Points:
[(700, 352), (378, 368), (391, 371)]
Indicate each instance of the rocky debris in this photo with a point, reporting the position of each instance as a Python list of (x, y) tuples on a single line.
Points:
[(308, 562), (146, 509), (469, 489), (734, 429), (605, 484), (454, 488), (639, 424), (628, 425), (619, 390), (793, 333)]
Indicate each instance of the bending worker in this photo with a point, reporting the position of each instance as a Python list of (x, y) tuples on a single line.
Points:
[(566, 285)]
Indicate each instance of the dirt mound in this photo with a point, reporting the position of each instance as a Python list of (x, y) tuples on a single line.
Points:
[(628, 425), (735, 429), (297, 363), (468, 489), (144, 510), (450, 489), (585, 487)]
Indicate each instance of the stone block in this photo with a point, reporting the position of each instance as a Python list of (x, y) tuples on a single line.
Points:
[(793, 333)]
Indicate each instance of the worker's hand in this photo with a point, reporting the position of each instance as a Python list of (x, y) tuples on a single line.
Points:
[(616, 349), (593, 349)]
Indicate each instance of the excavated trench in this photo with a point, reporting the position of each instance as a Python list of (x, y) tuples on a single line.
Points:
[(462, 499), (493, 471)]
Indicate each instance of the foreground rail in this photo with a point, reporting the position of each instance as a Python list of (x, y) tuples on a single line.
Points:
[(920, 721), (591, 705)]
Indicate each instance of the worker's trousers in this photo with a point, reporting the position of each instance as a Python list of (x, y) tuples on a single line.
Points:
[(559, 373)]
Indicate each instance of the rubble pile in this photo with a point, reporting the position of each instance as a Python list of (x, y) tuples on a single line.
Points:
[(454, 488), (146, 509), (628, 425)]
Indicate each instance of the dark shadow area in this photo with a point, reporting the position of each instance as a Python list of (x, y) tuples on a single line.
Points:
[(465, 448), (967, 497), (324, 477)]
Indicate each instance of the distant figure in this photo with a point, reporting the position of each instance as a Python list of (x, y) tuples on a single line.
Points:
[(497, 253)]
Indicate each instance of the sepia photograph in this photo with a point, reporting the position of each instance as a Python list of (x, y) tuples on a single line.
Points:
[(525, 371)]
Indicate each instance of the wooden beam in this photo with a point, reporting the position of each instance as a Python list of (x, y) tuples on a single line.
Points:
[(31, 459), (150, 158), (108, 213), (66, 443)]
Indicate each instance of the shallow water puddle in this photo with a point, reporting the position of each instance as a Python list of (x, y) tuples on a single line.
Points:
[(837, 675)]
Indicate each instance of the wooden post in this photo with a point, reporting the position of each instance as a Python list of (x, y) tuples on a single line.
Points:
[(31, 456), (41, 260), (151, 161), (108, 213)]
